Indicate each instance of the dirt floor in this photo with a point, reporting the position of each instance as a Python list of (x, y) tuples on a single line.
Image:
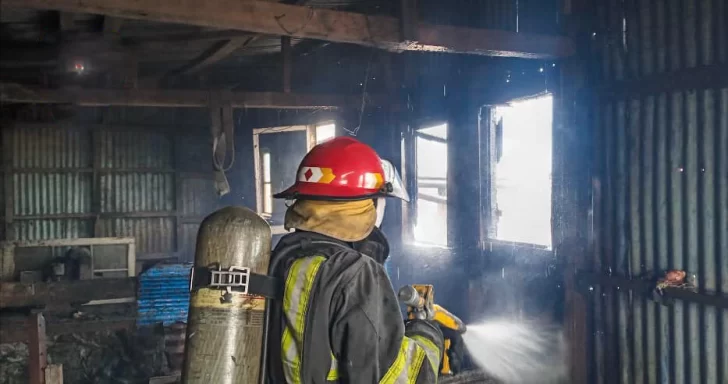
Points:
[(107, 357)]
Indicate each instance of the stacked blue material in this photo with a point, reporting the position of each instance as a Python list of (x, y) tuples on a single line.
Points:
[(164, 294)]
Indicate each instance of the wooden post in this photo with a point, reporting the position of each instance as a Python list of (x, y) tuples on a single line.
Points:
[(258, 174), (571, 188), (408, 21), (7, 158), (38, 358), (287, 62)]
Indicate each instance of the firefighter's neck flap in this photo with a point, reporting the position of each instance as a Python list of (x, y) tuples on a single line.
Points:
[(343, 220)]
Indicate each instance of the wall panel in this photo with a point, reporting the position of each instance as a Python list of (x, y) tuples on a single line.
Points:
[(85, 179), (663, 187)]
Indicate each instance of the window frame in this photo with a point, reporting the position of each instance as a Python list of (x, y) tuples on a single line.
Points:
[(311, 141), (266, 212), (492, 151), (418, 182)]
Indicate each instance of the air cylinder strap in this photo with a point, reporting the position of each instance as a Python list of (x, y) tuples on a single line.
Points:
[(236, 279)]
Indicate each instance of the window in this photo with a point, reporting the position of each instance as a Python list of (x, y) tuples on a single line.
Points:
[(431, 175), (325, 132), (523, 171), (277, 153), (267, 189)]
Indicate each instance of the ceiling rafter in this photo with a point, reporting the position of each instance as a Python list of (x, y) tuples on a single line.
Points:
[(314, 23)]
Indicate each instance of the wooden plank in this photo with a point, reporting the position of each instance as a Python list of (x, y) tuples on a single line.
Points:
[(112, 26), (54, 374), (101, 171), (73, 242), (645, 287), (273, 18), (159, 256), (105, 215), (216, 53), (288, 128), (37, 348), (179, 98), (18, 295), (66, 21), (112, 215), (165, 379)]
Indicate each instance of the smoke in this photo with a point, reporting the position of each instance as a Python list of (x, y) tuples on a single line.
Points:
[(517, 351)]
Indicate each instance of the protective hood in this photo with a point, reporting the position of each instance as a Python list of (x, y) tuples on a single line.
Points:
[(348, 221), (381, 205), (375, 246)]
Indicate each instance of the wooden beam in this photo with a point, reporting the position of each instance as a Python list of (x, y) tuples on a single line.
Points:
[(112, 26), (216, 53), (10, 93), (219, 51), (15, 331), (66, 21), (178, 98), (21, 295), (322, 24)]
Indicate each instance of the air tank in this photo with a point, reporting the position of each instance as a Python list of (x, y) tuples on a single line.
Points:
[(224, 336)]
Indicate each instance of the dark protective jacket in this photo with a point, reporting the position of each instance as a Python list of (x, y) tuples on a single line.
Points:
[(339, 320)]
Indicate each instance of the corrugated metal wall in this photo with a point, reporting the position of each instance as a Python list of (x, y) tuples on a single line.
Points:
[(51, 197), (663, 180), (85, 179)]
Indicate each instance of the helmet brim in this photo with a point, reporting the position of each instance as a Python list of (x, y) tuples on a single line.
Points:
[(393, 187), (295, 192)]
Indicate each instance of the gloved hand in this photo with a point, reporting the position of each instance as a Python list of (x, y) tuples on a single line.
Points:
[(456, 352)]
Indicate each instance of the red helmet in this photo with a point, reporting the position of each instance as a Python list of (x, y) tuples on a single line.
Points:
[(344, 169)]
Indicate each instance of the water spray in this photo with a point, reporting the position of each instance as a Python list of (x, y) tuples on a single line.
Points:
[(518, 351)]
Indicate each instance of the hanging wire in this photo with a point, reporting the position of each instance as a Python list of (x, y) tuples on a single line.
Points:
[(363, 97)]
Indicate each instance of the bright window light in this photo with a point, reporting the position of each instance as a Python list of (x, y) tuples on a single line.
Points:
[(325, 133), (431, 203), (523, 173), (267, 192)]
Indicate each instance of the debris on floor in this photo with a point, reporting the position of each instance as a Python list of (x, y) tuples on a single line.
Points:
[(90, 358)]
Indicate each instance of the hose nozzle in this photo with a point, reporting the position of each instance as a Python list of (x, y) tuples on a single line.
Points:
[(408, 296)]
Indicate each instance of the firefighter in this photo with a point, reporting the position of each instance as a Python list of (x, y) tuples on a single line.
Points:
[(339, 320)]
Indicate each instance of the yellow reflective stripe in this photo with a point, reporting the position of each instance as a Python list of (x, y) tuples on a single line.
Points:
[(433, 353), (299, 282), (407, 366), (290, 360), (333, 374)]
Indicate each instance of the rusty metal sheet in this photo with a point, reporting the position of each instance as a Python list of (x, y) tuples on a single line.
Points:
[(663, 181)]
